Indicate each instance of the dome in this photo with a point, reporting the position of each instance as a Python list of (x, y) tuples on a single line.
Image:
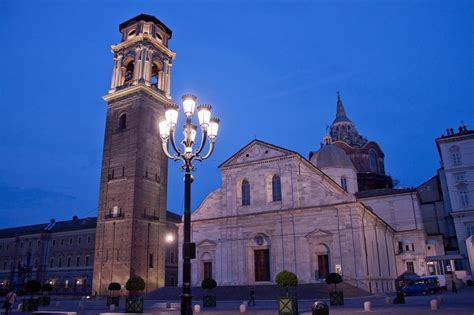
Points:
[(331, 155)]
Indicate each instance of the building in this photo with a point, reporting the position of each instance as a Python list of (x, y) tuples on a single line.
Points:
[(336, 212), (62, 254), (447, 202), (131, 221)]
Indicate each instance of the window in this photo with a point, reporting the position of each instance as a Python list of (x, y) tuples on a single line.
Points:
[(79, 240), (344, 183), (69, 261), (172, 257), (60, 262), (459, 177), (88, 240), (39, 244), (373, 161), (87, 260), (150, 262), (29, 244), (122, 122), (245, 193), (78, 261), (54, 243), (70, 241), (407, 248), (132, 33), (129, 71), (455, 155), (276, 188), (464, 197), (410, 266), (36, 263), (51, 263), (155, 73), (66, 283), (62, 241), (21, 245)]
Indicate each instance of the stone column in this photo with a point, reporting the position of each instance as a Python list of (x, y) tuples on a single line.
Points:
[(136, 69), (117, 72), (148, 67), (142, 65), (167, 70), (114, 76)]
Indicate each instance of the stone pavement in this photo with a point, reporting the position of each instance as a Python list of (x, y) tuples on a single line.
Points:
[(453, 304)]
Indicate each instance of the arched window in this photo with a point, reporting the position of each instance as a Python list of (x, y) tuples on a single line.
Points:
[(122, 122), (155, 74), (344, 183), (373, 161), (276, 188), (129, 71), (245, 193), (132, 33)]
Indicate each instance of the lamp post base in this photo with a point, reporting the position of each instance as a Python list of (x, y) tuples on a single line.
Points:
[(186, 304)]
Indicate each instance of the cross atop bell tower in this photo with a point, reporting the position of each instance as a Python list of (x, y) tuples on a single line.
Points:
[(143, 56)]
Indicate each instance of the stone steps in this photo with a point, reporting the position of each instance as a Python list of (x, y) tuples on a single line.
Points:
[(262, 292)]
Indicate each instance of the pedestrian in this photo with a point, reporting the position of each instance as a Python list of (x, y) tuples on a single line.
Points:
[(454, 288), (9, 301), (252, 298)]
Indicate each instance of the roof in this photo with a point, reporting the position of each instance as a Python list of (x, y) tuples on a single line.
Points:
[(341, 115), (331, 155), (383, 192), (146, 18), (65, 226)]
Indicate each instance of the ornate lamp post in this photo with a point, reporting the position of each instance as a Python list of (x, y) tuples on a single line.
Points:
[(209, 127)]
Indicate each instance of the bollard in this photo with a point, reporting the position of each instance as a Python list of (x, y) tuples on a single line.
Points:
[(367, 306), (243, 308), (112, 307), (197, 308), (388, 300), (319, 308), (434, 305)]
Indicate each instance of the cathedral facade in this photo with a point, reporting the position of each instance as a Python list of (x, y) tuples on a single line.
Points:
[(334, 212)]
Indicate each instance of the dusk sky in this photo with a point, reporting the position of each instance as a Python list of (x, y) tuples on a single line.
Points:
[(270, 69)]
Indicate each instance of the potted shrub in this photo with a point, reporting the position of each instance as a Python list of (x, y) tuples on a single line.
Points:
[(335, 297), (30, 304), (208, 300), (112, 299), (134, 303), (45, 300), (287, 304)]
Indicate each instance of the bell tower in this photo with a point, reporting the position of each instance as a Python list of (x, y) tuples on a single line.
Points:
[(131, 217)]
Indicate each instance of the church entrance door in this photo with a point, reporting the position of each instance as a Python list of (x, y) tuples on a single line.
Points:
[(262, 265), (323, 266)]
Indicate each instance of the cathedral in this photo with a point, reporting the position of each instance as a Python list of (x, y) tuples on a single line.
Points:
[(334, 212)]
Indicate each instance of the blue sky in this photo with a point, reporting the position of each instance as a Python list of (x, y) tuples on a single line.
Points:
[(271, 70)]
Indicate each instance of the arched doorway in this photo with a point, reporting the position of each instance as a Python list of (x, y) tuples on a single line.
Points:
[(321, 258)]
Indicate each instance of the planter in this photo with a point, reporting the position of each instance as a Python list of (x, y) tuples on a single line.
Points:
[(134, 305), (336, 298), (287, 305), (29, 305), (113, 300), (209, 301), (44, 300)]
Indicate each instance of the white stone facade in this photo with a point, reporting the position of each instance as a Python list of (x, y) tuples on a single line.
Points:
[(315, 228)]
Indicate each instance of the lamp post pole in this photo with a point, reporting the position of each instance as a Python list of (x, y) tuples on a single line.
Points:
[(209, 128)]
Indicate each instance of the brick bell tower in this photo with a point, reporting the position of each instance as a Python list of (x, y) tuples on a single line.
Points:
[(132, 201)]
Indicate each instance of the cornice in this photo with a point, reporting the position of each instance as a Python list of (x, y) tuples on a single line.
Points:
[(142, 37), (133, 89)]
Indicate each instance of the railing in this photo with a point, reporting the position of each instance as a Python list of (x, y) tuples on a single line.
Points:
[(152, 217), (114, 216)]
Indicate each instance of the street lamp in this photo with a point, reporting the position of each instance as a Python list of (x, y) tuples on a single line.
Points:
[(209, 127)]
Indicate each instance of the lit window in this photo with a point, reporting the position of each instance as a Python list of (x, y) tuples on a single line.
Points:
[(245, 193), (276, 188), (344, 183)]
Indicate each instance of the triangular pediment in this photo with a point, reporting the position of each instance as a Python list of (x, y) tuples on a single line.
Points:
[(207, 243), (256, 151), (318, 233)]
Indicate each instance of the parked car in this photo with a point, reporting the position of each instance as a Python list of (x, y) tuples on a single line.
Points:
[(422, 285)]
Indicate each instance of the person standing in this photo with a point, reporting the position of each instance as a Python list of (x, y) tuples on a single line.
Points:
[(252, 298), (9, 301)]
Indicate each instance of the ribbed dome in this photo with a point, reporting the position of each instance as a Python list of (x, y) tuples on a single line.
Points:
[(331, 156)]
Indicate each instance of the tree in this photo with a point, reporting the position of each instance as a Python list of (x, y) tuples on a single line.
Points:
[(32, 286), (114, 286), (134, 285), (334, 278), (47, 287), (208, 284), (286, 279)]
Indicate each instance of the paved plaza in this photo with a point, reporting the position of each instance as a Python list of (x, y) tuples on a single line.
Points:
[(451, 304)]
